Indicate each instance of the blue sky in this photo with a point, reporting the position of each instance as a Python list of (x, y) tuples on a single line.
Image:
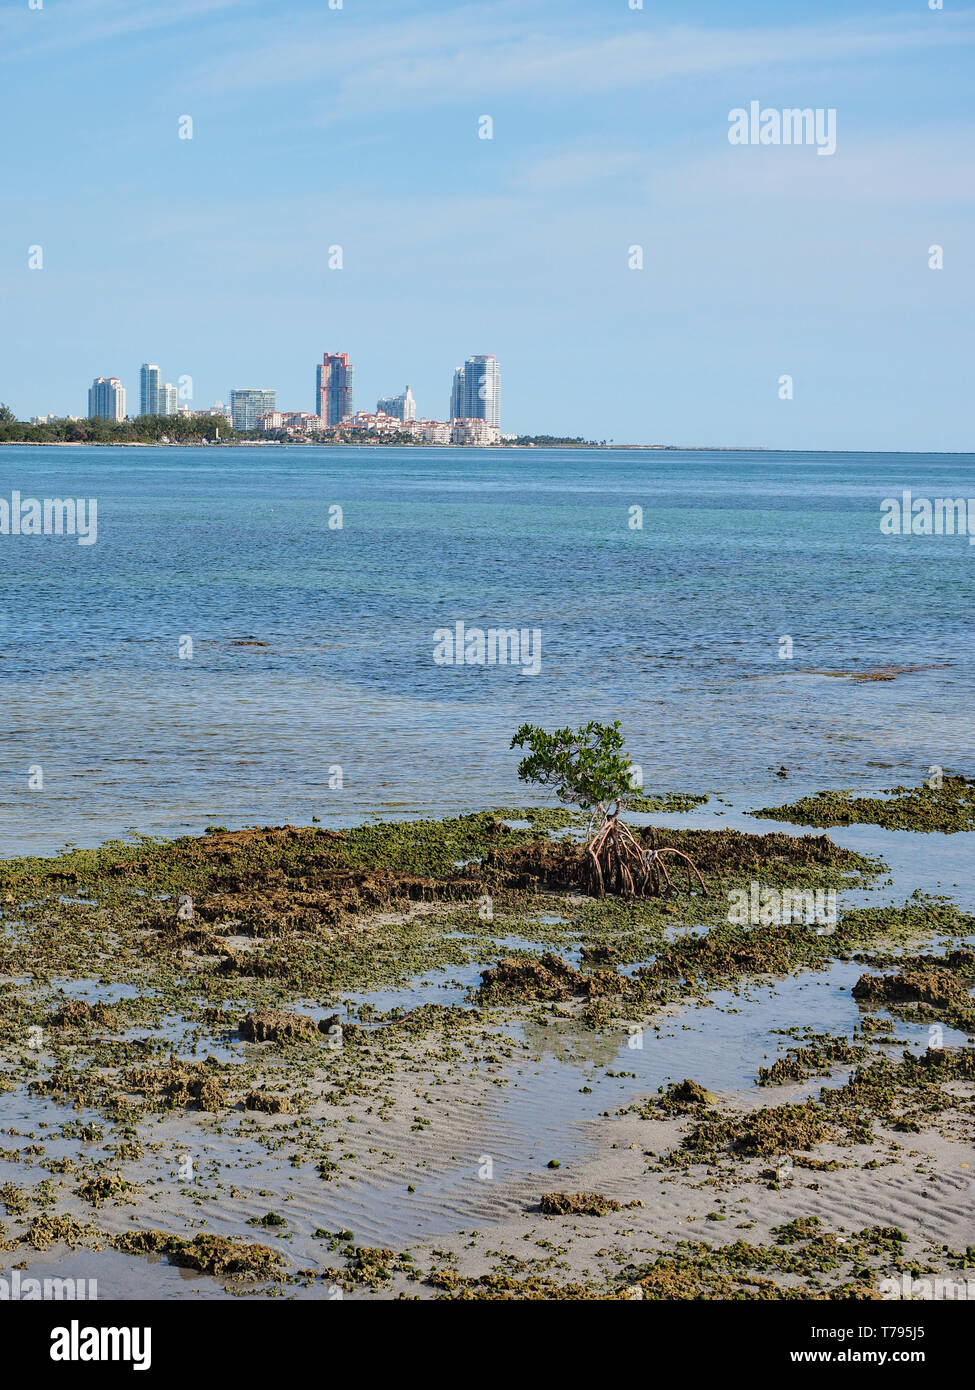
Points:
[(358, 126)]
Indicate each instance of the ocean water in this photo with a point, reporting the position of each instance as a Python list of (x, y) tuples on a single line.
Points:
[(674, 629)]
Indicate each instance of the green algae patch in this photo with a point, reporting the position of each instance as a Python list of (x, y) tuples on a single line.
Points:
[(828, 1266), (48, 1231), (369, 1267), (948, 808), (180, 1085), (936, 988), (665, 803), (818, 1058), (577, 1204), (911, 1091), (760, 1133), (802, 1228), (905, 1096), (106, 1187), (688, 1094), (273, 925), (507, 1287), (720, 957), (18, 1201), (272, 1218), (222, 1256), (524, 979), (728, 952), (436, 847)]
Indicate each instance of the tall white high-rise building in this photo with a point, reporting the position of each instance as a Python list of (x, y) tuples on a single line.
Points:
[(476, 392), (247, 405), (168, 400), (457, 396), (150, 381), (402, 407), (106, 399)]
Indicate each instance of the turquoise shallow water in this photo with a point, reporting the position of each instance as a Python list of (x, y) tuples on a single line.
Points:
[(674, 629)]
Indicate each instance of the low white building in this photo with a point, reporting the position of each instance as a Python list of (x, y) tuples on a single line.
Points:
[(474, 432), (429, 431)]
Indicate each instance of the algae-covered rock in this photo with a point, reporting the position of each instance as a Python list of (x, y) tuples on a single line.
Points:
[(104, 1187), (520, 979), (689, 1092), (78, 1013), (266, 1103), (577, 1204), (937, 989), (210, 1254), (47, 1231), (776, 1130), (276, 1025)]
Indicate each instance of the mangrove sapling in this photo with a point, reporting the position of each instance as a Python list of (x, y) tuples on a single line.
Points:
[(589, 768)]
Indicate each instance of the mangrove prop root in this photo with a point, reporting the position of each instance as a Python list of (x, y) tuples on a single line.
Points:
[(616, 862)]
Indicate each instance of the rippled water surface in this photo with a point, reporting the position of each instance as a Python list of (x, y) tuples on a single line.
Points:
[(313, 646)]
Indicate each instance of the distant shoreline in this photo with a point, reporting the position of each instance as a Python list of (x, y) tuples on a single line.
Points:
[(489, 448), (344, 444)]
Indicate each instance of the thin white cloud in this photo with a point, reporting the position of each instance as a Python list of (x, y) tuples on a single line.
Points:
[(74, 23), (573, 167), (933, 168), (472, 52)]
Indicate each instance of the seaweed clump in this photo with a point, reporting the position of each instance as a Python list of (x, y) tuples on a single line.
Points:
[(803, 1249), (817, 1059), (685, 1097), (926, 992), (948, 808), (180, 1085), (577, 1204), (528, 979), (78, 1013), (210, 1254), (276, 1025), (760, 1133)]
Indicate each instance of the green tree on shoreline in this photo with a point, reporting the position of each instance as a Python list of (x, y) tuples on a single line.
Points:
[(144, 429)]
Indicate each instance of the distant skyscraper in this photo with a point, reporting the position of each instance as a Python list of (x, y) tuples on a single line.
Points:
[(402, 407), (457, 396), (168, 399), (247, 406), (150, 379), (106, 399), (476, 393), (333, 387)]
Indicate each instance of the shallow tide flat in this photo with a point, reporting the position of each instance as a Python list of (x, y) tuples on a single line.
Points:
[(306, 1061)]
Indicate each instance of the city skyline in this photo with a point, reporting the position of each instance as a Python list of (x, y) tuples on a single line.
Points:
[(475, 396), (609, 131)]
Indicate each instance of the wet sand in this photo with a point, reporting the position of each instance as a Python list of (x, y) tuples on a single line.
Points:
[(441, 1151)]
